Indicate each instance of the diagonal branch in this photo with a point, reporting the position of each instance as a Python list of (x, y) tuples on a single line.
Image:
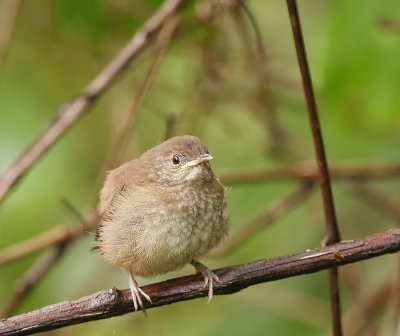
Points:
[(69, 113), (380, 199), (30, 278), (163, 40), (115, 302), (58, 235)]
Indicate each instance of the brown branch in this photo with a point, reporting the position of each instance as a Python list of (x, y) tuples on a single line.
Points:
[(59, 238), (333, 235), (261, 102), (162, 43), (329, 210), (264, 219), (380, 199), (309, 171), (30, 278), (69, 113), (357, 319), (115, 302), (61, 234)]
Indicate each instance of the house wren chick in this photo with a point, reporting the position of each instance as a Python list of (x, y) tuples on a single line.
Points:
[(162, 211)]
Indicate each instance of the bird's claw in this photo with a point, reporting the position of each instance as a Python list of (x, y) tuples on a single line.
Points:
[(209, 277), (136, 292)]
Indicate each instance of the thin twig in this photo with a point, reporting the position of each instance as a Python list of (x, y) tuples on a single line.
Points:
[(333, 235), (61, 234), (264, 219), (162, 43), (114, 302), (329, 210), (69, 113), (356, 321), (261, 101), (309, 171), (30, 278), (379, 198), (385, 203)]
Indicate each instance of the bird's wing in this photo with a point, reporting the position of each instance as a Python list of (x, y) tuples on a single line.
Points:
[(114, 186)]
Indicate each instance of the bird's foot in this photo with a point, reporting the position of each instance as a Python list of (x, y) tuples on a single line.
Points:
[(209, 277), (136, 291)]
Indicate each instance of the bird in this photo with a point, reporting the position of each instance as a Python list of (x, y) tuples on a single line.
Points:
[(161, 211)]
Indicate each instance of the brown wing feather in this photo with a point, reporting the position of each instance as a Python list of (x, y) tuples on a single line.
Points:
[(114, 186)]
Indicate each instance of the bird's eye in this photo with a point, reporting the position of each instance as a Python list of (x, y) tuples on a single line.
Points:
[(176, 160)]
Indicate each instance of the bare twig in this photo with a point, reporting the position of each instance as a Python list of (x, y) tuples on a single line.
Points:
[(69, 113), (261, 101), (61, 234), (267, 217), (8, 17), (309, 171), (333, 234), (162, 42), (330, 216), (30, 278), (208, 10), (379, 198), (37, 243), (356, 321), (114, 302), (384, 202)]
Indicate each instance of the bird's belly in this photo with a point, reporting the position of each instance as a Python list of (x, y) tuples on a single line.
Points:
[(174, 240)]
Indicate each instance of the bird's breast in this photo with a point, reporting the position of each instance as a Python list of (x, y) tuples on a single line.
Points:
[(186, 226)]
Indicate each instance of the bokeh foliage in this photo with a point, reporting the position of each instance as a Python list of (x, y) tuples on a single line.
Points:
[(208, 81)]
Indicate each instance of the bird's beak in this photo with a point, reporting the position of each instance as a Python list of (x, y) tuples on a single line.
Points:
[(202, 159)]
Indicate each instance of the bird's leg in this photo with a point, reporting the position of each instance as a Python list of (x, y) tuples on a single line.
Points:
[(136, 291), (209, 276)]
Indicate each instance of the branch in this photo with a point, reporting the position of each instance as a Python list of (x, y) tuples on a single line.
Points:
[(261, 102), (332, 230), (59, 235), (164, 37), (69, 113), (30, 278), (309, 171), (380, 199), (114, 302), (357, 320)]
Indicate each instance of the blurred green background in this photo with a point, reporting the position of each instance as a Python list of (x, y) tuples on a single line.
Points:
[(247, 107)]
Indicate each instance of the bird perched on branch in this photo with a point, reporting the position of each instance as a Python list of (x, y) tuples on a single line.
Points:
[(162, 211)]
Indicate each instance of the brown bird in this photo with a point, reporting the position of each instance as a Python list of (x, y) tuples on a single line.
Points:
[(162, 211)]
